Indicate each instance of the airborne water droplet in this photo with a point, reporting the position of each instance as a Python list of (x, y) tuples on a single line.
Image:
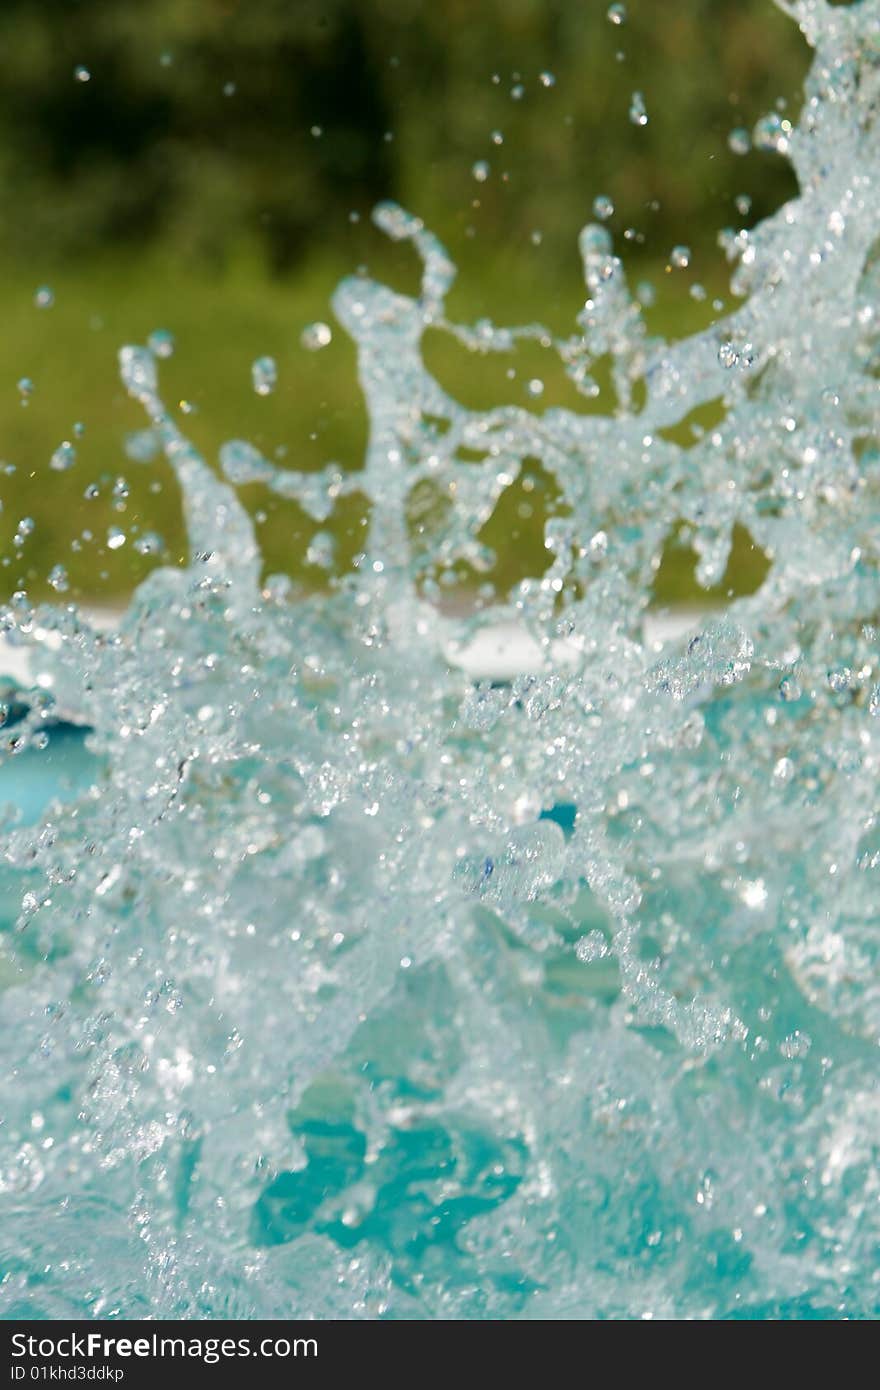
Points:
[(44, 297), (264, 375), (638, 112), (772, 134), (481, 170), (603, 207), (316, 336), (64, 457), (680, 257), (617, 14), (161, 343), (150, 543), (739, 140)]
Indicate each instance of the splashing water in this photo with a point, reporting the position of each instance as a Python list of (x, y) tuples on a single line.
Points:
[(338, 981)]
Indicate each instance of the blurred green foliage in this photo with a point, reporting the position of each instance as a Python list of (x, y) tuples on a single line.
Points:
[(208, 166)]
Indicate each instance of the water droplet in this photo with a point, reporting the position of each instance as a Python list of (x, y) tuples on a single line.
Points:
[(161, 343), (603, 207), (64, 457), (315, 336), (150, 543), (142, 446), (517, 91), (535, 387), (680, 257), (481, 170), (617, 14), (743, 204), (772, 134), (264, 375), (44, 297), (638, 113), (81, 74), (115, 538), (229, 89), (25, 389), (58, 579), (547, 79), (739, 140)]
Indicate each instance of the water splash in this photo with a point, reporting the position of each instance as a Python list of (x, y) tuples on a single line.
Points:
[(341, 981)]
